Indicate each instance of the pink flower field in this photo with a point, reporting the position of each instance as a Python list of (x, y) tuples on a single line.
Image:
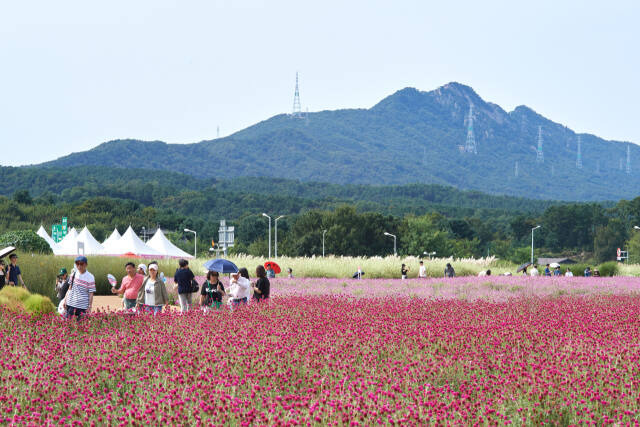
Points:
[(486, 350)]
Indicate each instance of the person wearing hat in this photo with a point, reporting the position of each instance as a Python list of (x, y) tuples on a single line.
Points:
[(13, 272), (62, 284), (131, 284), (79, 298), (153, 292), (142, 269)]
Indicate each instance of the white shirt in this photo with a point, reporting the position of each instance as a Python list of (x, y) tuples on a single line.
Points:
[(482, 273), (534, 272), (149, 292), (240, 289), (568, 273), (422, 271)]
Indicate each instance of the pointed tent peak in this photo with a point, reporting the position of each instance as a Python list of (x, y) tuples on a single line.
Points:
[(41, 230), (160, 243)]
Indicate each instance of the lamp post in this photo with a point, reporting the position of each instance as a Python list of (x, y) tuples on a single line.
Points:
[(276, 221), (195, 242), (265, 215), (429, 254), (532, 230), (323, 233), (144, 234), (395, 252)]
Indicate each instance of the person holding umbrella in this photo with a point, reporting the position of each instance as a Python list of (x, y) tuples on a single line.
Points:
[(262, 287), (272, 269)]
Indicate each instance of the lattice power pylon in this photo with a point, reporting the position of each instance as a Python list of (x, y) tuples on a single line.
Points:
[(539, 152), (470, 145), (579, 156), (297, 108), (517, 171), (628, 159)]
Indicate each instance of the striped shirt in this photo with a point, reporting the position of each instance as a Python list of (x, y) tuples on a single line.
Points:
[(83, 285)]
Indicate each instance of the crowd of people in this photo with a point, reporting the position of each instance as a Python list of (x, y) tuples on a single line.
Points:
[(143, 289)]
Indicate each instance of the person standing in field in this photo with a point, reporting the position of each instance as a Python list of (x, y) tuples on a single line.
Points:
[(270, 272), (547, 271), (422, 271), (404, 271), (79, 297), (262, 287), (14, 275), (62, 284), (557, 272), (534, 271), (152, 295), (239, 288), (449, 271), (131, 284), (212, 292), (142, 269), (2, 274), (183, 278), (568, 273)]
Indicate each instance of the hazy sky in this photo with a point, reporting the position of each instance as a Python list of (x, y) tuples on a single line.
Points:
[(74, 74)]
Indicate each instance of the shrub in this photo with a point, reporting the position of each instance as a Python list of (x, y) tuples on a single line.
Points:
[(37, 305), (608, 268), (15, 293), (11, 304), (26, 241)]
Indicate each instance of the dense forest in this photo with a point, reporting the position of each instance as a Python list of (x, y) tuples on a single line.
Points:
[(424, 217)]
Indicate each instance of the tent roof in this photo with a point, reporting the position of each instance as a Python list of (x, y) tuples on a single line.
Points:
[(130, 243), (114, 237), (52, 243), (69, 245), (163, 245)]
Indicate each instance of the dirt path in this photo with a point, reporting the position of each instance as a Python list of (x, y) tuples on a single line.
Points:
[(113, 303)]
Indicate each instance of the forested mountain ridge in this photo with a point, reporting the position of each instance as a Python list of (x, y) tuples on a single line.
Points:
[(408, 137)]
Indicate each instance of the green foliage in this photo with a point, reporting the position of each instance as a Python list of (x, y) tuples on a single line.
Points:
[(11, 304), (608, 239), (37, 305), (26, 241), (608, 269), (15, 293)]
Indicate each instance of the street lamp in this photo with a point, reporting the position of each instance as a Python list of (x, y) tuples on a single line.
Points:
[(395, 252), (195, 242), (323, 233), (144, 234), (429, 253), (265, 215), (276, 221), (532, 230)]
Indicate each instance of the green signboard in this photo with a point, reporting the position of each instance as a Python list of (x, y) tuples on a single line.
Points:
[(58, 231)]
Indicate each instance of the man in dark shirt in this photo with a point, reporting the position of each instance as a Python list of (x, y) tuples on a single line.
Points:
[(13, 273), (183, 278)]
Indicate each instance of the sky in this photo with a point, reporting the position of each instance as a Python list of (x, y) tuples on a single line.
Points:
[(74, 74)]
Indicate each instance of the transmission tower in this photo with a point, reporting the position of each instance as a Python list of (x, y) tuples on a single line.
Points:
[(579, 157), (517, 172), (218, 132), (628, 159), (297, 109), (470, 146), (598, 166), (539, 153)]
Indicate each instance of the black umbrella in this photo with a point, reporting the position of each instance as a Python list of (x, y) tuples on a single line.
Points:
[(523, 266), (6, 251), (357, 273)]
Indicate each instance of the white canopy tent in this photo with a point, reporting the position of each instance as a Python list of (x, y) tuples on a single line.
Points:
[(110, 241), (160, 243), (52, 243), (130, 243), (83, 244)]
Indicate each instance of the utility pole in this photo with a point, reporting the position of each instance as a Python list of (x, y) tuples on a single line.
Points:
[(265, 215), (532, 230), (323, 233)]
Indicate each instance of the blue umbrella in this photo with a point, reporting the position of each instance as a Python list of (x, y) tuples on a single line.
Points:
[(221, 266)]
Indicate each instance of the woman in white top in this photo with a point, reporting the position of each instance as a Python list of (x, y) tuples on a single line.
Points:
[(568, 273), (153, 292), (239, 288)]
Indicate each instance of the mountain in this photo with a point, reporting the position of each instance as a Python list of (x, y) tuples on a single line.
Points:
[(409, 137)]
